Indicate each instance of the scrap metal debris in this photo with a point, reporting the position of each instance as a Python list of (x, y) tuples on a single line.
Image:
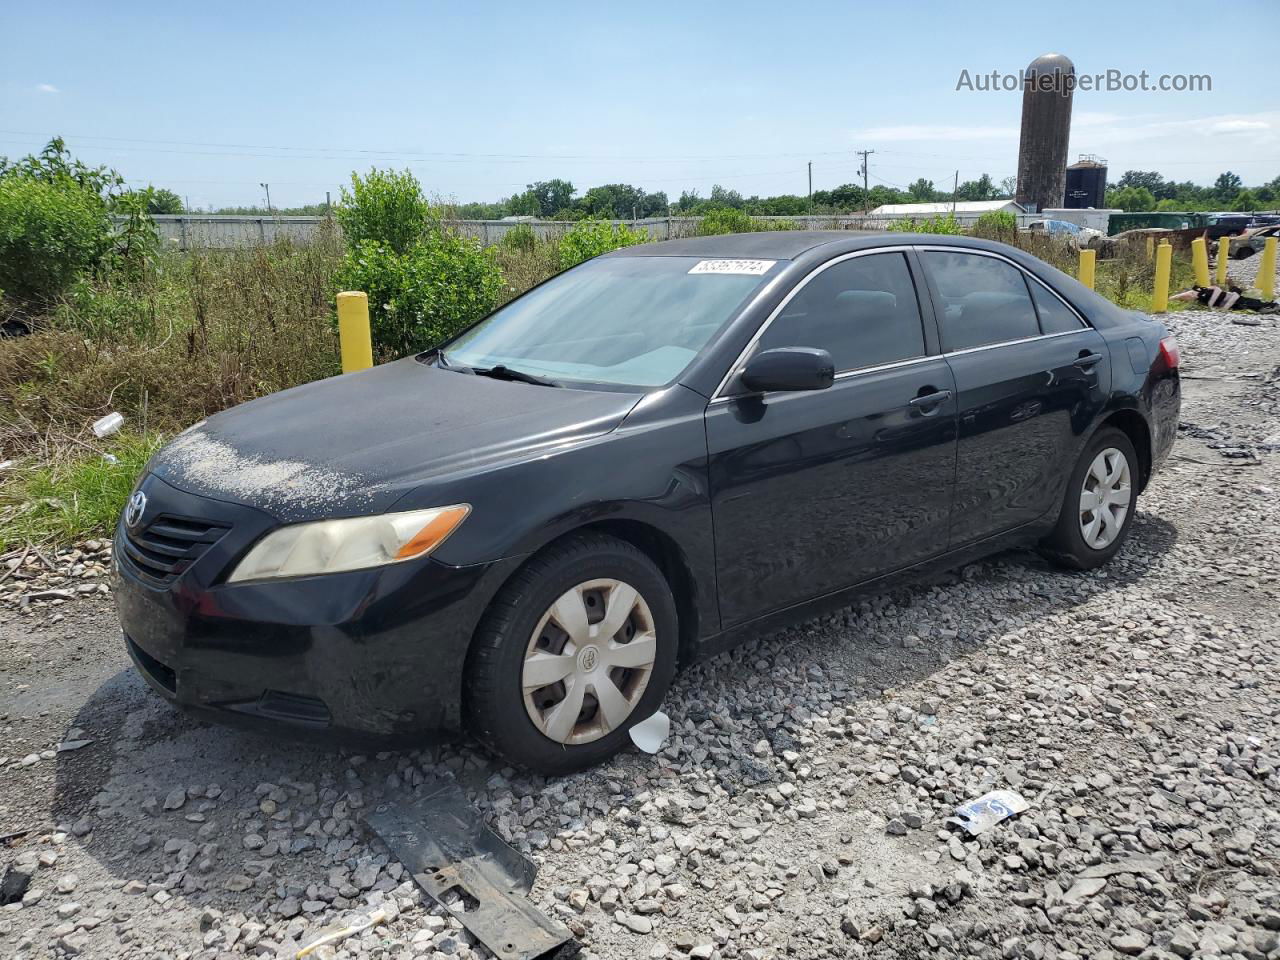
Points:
[(449, 851), (650, 734), (980, 815), (106, 426)]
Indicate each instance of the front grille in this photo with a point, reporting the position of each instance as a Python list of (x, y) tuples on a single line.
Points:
[(163, 549)]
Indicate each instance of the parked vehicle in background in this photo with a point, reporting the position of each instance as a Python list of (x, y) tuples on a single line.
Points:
[(1252, 241), (1082, 237), (640, 462), (1218, 225)]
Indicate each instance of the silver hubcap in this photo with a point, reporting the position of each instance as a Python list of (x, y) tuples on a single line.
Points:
[(589, 661), (1105, 498)]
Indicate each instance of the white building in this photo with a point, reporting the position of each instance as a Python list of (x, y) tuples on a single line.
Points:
[(963, 209)]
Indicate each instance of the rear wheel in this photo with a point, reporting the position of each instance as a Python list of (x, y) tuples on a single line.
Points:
[(1098, 505), (578, 647)]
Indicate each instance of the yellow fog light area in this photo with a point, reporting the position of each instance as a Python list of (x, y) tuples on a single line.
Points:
[(355, 543)]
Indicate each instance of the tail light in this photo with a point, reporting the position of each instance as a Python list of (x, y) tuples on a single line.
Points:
[(1168, 356)]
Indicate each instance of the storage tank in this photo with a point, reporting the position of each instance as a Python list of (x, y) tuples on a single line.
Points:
[(1086, 182), (1048, 85)]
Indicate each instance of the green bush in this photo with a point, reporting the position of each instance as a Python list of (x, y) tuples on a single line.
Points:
[(997, 225), (386, 206), (939, 224), (50, 235), (590, 238), (725, 220), (440, 285)]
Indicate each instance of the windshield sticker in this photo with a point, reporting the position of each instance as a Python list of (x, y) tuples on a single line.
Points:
[(742, 268)]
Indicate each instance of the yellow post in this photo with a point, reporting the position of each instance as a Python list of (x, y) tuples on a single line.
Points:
[(1087, 260), (1200, 261), (1267, 270), (1164, 266), (353, 331), (1224, 254)]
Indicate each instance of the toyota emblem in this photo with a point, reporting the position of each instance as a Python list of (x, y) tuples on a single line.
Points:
[(134, 509)]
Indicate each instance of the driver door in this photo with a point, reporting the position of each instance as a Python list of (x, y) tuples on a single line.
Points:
[(816, 491)]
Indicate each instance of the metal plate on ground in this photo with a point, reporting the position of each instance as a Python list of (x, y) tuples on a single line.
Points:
[(444, 843)]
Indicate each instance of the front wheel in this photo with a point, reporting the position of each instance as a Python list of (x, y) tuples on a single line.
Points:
[(579, 646), (1098, 506)]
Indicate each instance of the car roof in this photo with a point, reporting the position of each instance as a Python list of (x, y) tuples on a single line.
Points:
[(787, 244)]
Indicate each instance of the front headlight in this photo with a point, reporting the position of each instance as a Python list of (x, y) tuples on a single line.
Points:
[(332, 546)]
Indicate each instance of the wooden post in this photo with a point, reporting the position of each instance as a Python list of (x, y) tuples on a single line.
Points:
[(353, 331), (1164, 266)]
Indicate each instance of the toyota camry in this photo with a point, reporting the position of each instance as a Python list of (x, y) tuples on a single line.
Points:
[(525, 531)]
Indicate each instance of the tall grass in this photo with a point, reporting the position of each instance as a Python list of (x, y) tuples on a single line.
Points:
[(195, 333)]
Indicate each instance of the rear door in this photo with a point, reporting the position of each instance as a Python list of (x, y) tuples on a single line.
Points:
[(1030, 377), (815, 491)]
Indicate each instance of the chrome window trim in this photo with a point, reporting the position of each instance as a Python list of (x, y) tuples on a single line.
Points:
[(736, 367)]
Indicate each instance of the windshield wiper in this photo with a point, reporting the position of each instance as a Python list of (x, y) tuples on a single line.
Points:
[(502, 372)]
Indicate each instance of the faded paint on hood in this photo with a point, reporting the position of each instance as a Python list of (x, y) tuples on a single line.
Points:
[(355, 444)]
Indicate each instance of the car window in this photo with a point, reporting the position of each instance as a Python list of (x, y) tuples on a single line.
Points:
[(983, 300), (862, 311), (1055, 316)]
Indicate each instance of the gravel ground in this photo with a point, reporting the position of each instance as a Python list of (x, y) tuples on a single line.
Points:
[(798, 809)]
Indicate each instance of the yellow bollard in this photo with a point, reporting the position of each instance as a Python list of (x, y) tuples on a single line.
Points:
[(1267, 270), (1088, 258), (1224, 255), (353, 331), (1200, 260), (1164, 266)]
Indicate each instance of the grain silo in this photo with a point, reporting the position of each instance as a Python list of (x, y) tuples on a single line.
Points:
[(1048, 84)]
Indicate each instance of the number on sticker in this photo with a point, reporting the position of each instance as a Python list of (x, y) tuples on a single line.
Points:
[(750, 268)]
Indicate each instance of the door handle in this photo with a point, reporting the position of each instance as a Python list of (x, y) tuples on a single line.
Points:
[(1087, 360), (930, 402)]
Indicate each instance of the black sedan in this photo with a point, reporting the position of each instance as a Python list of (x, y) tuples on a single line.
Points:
[(524, 532)]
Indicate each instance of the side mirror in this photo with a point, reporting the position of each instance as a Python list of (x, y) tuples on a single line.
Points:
[(789, 368)]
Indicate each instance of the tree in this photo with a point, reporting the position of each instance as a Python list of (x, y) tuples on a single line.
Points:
[(1147, 180), (689, 200), (613, 201), (552, 195), (723, 197), (1245, 202), (164, 201), (1008, 188), (1131, 199), (922, 191), (980, 189), (523, 205), (1227, 186)]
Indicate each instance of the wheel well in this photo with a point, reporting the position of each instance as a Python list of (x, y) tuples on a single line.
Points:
[(664, 552), (1139, 434)]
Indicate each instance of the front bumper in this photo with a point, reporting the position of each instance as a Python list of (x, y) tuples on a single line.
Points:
[(373, 652)]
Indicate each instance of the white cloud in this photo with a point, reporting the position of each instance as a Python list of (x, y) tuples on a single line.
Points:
[(1239, 126), (915, 132), (47, 88)]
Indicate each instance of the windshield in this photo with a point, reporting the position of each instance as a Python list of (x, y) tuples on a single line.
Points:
[(636, 321)]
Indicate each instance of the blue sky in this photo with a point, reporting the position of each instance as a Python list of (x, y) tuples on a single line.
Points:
[(479, 99)]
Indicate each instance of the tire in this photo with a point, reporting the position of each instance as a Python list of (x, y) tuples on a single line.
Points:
[(585, 574), (1068, 545)]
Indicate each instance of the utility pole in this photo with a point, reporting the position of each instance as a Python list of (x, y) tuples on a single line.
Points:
[(810, 183), (954, 191), (267, 187), (327, 205), (866, 192)]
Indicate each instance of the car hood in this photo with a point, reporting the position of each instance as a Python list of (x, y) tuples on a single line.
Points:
[(355, 444)]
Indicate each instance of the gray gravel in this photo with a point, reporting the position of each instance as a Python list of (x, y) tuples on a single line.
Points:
[(798, 809)]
